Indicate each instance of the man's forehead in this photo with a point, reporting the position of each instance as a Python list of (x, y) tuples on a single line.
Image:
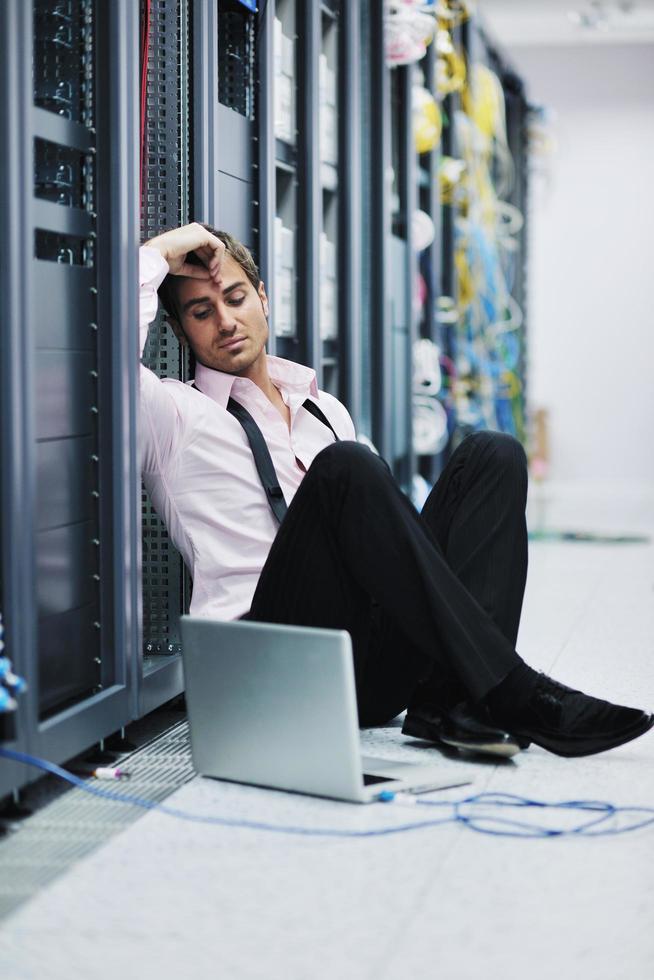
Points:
[(231, 270)]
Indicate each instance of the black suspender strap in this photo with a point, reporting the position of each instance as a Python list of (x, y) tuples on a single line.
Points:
[(262, 458), (315, 411)]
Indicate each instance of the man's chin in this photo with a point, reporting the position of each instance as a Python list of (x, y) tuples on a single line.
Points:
[(235, 364)]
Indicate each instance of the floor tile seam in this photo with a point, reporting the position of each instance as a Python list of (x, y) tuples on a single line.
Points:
[(386, 968)]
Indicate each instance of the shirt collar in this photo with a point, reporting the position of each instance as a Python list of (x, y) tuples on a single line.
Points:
[(295, 379)]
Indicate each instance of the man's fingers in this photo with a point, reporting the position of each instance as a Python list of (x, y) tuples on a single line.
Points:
[(205, 254), (211, 254)]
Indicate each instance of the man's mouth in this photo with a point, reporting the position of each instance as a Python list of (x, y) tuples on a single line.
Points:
[(233, 343)]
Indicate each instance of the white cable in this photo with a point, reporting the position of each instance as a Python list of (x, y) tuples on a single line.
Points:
[(426, 368), (515, 320), (430, 432)]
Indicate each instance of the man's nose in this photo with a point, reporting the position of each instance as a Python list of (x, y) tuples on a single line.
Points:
[(225, 317)]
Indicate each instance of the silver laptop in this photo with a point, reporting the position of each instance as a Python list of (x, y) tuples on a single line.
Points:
[(276, 706)]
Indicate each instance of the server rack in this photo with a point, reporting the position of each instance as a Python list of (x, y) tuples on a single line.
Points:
[(517, 120), (69, 555), (444, 320), (351, 280), (165, 203), (378, 242), (16, 562), (508, 385), (447, 298), (435, 260), (404, 265)]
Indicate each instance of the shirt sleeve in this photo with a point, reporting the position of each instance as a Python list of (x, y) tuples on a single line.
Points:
[(338, 416), (153, 269), (161, 424), (348, 424)]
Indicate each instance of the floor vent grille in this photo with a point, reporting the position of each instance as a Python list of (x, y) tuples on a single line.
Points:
[(39, 848)]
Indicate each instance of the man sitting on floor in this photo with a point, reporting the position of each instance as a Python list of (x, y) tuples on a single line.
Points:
[(282, 517)]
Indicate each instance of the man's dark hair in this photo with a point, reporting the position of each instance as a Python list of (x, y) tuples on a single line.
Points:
[(237, 250)]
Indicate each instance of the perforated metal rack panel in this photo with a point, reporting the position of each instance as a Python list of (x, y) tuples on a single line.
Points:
[(235, 208), (166, 190), (236, 58), (66, 358)]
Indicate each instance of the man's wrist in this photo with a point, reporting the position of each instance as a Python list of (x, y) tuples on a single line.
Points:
[(157, 243)]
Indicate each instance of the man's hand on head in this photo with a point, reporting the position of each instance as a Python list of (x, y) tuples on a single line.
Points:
[(175, 246)]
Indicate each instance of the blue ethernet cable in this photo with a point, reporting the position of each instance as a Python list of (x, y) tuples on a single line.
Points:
[(600, 818)]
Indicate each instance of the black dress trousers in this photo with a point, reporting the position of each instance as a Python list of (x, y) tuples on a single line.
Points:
[(431, 600)]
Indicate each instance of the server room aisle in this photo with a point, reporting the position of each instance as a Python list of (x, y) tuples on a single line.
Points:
[(168, 899)]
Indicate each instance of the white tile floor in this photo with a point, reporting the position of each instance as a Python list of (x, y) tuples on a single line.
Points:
[(167, 899)]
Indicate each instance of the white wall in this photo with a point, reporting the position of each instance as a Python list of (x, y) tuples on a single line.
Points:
[(591, 319)]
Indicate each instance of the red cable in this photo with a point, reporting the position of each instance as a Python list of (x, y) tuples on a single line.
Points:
[(145, 51)]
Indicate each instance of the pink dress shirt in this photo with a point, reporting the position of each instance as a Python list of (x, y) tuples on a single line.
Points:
[(198, 466)]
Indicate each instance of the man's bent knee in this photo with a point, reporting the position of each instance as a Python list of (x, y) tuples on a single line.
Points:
[(346, 453), (501, 447)]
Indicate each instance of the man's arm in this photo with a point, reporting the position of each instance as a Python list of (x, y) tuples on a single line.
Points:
[(161, 425)]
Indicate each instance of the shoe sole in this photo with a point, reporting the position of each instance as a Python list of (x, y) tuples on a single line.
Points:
[(585, 746), (505, 748)]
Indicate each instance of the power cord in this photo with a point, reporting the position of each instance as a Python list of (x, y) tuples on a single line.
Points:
[(473, 812)]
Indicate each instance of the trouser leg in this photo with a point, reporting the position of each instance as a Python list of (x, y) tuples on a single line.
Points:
[(351, 538), (476, 512)]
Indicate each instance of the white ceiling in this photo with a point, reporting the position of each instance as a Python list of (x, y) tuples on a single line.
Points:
[(552, 22)]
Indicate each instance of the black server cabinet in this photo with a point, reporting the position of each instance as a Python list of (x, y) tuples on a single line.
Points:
[(69, 185), (404, 270), (310, 61), (65, 337)]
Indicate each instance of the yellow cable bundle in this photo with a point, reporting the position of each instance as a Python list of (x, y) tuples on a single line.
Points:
[(488, 103), (467, 289), (427, 120), (513, 385), (483, 101), (454, 12), (450, 66), (450, 180)]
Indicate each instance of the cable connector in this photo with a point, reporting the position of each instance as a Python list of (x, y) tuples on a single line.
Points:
[(386, 796)]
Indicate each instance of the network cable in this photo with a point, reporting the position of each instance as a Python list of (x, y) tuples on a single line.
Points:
[(599, 818), (11, 685)]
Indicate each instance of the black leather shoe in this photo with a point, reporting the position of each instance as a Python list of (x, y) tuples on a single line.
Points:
[(462, 727), (569, 723)]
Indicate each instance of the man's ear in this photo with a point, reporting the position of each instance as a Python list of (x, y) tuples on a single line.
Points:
[(263, 298), (177, 330)]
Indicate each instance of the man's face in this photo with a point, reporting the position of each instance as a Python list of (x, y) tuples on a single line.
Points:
[(225, 325)]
